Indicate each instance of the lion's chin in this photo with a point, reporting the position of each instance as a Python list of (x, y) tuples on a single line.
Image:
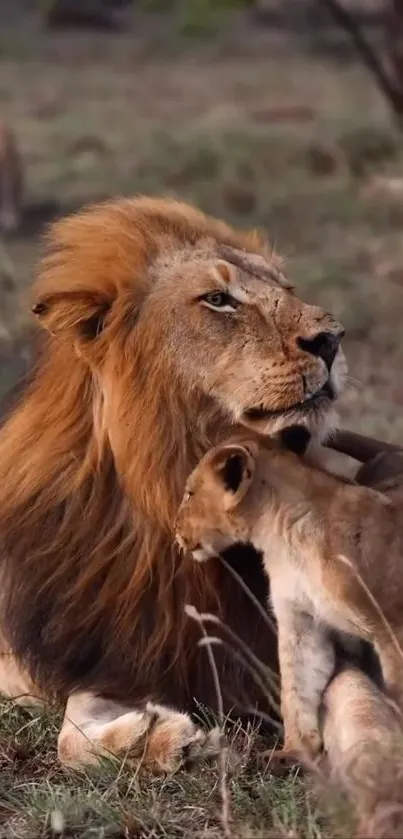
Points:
[(318, 414)]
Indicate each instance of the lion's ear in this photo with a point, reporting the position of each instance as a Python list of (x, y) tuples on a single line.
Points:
[(75, 313)]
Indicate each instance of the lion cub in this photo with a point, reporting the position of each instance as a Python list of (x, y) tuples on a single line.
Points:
[(326, 543)]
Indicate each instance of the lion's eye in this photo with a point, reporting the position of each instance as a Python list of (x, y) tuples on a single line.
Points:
[(220, 301)]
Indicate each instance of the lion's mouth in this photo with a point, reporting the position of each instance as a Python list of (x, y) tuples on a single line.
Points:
[(317, 400)]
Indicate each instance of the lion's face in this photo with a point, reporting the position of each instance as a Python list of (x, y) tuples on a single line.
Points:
[(250, 344), (176, 313)]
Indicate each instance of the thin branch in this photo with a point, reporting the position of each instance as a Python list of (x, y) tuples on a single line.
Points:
[(370, 59)]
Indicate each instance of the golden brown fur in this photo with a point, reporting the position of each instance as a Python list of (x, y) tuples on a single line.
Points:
[(11, 180), (306, 522), (363, 740), (138, 377)]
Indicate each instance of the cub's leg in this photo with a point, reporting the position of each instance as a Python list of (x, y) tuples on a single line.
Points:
[(363, 739), (307, 662), (156, 736), (350, 606)]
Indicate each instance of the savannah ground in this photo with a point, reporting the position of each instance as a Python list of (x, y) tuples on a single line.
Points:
[(274, 125)]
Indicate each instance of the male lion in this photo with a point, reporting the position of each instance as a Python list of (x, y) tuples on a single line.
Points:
[(305, 522), (163, 328)]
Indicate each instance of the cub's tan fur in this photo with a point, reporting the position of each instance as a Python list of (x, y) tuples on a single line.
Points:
[(11, 180), (305, 521)]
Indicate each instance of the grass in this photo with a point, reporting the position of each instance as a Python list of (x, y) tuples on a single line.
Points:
[(38, 797), (256, 126)]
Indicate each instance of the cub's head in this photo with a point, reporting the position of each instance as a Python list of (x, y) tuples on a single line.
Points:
[(224, 491)]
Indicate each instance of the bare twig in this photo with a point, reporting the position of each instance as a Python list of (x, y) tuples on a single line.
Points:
[(370, 59)]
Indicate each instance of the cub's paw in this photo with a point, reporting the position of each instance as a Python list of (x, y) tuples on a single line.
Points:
[(280, 761), (305, 741), (311, 744), (297, 752), (174, 740)]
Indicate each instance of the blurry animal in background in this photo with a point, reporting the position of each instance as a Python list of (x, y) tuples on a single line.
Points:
[(329, 546), (11, 180)]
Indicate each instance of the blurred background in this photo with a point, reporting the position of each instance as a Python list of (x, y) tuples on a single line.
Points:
[(284, 114)]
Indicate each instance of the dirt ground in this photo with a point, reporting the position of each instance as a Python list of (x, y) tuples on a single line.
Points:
[(275, 125)]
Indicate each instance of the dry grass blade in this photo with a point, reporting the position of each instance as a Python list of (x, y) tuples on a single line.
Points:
[(268, 679), (274, 723), (192, 612), (374, 603), (262, 611)]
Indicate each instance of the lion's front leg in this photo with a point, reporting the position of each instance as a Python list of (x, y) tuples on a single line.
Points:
[(158, 737)]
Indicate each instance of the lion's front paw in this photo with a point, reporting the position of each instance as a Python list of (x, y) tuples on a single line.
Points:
[(155, 737), (173, 740)]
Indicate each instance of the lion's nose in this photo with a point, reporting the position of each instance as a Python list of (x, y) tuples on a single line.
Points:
[(324, 345)]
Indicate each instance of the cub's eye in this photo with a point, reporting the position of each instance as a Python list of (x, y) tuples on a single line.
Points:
[(220, 301)]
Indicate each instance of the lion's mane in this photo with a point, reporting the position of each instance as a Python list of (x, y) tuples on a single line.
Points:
[(93, 589)]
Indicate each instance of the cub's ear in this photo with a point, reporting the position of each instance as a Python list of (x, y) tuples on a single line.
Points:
[(80, 314), (234, 468), (295, 439)]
